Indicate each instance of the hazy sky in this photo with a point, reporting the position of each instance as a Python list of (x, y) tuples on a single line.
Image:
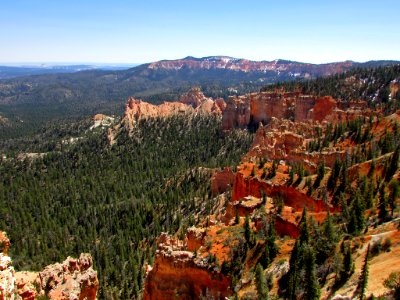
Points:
[(123, 31)]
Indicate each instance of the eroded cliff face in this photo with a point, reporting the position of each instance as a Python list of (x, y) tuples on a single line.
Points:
[(251, 109), (74, 279), (290, 146), (221, 181), (179, 274), (192, 102)]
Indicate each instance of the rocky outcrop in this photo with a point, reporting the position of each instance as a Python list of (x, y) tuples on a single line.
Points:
[(178, 273), (289, 146), (195, 238), (28, 285), (100, 120), (221, 181), (394, 89), (251, 109), (136, 109), (253, 186), (7, 273), (72, 279), (192, 102)]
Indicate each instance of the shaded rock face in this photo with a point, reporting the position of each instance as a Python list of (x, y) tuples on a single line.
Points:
[(251, 109), (178, 274), (289, 146), (221, 181), (72, 279), (245, 186), (195, 238)]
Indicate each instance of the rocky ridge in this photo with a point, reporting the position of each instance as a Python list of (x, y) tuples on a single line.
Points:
[(192, 102), (245, 65), (288, 123), (249, 110), (74, 279)]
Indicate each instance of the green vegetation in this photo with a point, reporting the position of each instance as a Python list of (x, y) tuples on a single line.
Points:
[(114, 201)]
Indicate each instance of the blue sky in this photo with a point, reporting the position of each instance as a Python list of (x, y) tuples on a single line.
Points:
[(122, 31)]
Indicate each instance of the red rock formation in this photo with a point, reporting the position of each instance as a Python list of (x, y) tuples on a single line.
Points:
[(4, 243), (255, 108), (394, 88), (177, 273), (289, 146), (28, 285), (323, 107), (221, 181), (195, 238), (72, 279), (194, 97), (245, 186), (193, 102)]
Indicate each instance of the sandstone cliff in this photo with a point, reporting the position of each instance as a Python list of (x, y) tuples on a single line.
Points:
[(251, 109), (74, 279), (192, 102), (179, 273)]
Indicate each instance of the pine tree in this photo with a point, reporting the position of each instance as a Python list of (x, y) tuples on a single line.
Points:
[(261, 283), (383, 213), (363, 280), (312, 290), (272, 247), (264, 260), (394, 194), (348, 263), (237, 219), (357, 219), (248, 232), (304, 233), (394, 162), (294, 272)]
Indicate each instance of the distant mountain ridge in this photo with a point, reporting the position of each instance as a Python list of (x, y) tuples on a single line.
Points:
[(278, 65), (23, 70), (41, 98)]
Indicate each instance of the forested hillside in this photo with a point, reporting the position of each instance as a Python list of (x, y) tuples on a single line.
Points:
[(30, 102), (371, 84), (114, 201)]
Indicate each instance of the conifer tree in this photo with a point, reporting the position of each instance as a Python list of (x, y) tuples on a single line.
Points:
[(394, 194), (294, 271), (304, 233), (264, 260), (383, 213), (237, 219), (312, 290), (272, 247), (348, 263), (248, 232), (363, 280), (261, 283)]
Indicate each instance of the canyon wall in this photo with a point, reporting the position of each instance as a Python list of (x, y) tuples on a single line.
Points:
[(179, 274), (251, 109)]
